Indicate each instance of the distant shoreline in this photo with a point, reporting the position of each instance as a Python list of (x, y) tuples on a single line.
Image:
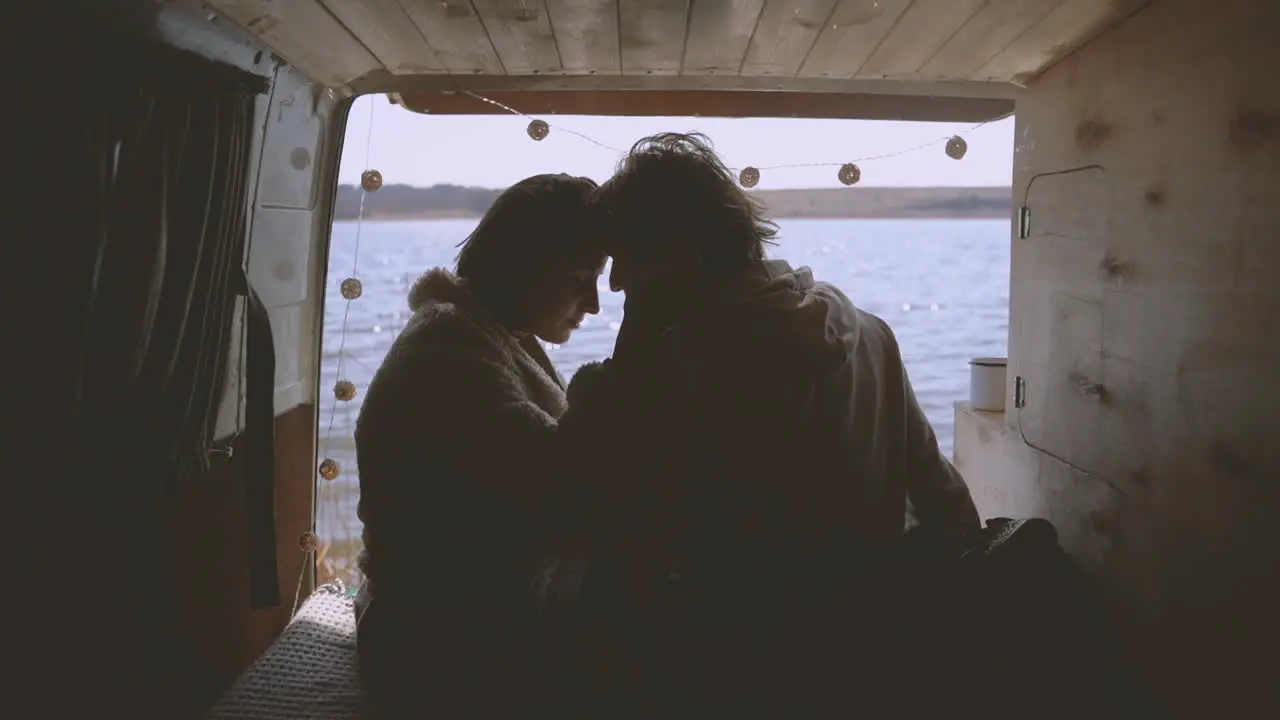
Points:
[(452, 202)]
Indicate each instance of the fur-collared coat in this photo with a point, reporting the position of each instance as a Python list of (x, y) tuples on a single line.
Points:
[(456, 449)]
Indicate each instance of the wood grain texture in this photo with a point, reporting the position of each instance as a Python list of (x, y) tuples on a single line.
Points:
[(306, 35), (652, 34), (459, 38), (521, 34), (586, 32), (985, 35), (384, 28), (384, 82), (784, 35), (855, 30), (719, 33), (921, 31), (1071, 25)]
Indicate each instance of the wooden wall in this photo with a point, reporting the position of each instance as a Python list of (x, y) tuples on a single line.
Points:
[(1144, 315), (221, 635)]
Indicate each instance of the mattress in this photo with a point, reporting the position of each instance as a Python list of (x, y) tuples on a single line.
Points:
[(308, 673)]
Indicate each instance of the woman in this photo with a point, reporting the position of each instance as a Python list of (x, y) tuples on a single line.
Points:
[(456, 444)]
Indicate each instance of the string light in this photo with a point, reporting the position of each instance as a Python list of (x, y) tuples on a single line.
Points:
[(956, 147), (370, 180), (329, 469), (344, 390), (849, 173), (351, 288), (507, 108), (307, 542), (538, 129)]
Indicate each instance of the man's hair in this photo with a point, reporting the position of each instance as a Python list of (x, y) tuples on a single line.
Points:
[(672, 187), (539, 221)]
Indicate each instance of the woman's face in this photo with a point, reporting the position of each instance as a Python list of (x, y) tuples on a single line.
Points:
[(562, 295)]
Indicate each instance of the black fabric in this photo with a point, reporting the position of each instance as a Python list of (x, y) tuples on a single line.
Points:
[(123, 219), (260, 451), (132, 266)]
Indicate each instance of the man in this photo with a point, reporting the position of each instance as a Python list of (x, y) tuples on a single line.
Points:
[(761, 435)]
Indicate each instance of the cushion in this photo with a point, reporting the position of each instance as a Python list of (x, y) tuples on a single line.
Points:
[(309, 673)]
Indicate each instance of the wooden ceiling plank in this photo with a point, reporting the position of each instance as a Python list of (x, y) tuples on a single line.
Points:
[(385, 29), (652, 34), (384, 82), (988, 32), (521, 33), (920, 32), (719, 33), (775, 104), (457, 35), (854, 32), (586, 33), (1068, 27), (306, 35), (784, 36)]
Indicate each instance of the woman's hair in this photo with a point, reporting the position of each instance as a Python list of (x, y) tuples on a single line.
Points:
[(537, 223), (673, 187)]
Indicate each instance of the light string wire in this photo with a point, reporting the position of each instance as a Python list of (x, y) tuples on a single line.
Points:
[(328, 470), (561, 128), (896, 153), (869, 158)]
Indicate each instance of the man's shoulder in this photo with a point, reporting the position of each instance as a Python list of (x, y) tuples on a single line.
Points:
[(869, 320)]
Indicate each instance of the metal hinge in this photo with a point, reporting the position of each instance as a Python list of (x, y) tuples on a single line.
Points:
[(1024, 222), (1019, 392)]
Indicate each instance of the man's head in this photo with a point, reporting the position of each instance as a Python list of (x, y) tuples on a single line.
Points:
[(677, 218), (536, 255)]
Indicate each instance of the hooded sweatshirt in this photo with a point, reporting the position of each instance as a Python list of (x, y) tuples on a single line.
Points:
[(779, 417), (828, 379)]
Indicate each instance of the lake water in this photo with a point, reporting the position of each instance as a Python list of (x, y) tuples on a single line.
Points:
[(942, 285)]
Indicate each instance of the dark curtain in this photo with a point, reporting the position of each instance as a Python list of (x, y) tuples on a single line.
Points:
[(123, 220), (146, 254)]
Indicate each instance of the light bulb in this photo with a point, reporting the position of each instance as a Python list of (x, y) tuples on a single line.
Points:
[(538, 129), (329, 469), (351, 288)]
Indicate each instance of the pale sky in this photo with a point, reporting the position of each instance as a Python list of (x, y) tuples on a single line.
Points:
[(495, 151)]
